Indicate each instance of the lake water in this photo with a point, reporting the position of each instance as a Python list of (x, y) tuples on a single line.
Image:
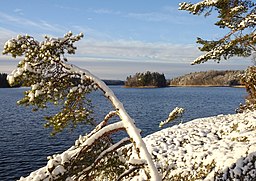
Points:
[(25, 143)]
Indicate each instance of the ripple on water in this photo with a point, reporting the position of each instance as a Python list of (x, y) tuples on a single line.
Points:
[(25, 144)]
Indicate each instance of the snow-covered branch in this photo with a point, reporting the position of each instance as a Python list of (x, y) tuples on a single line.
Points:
[(128, 122), (52, 79), (177, 112), (238, 17)]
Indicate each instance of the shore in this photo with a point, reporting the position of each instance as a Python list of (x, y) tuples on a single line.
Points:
[(144, 87), (151, 87), (236, 86), (215, 148)]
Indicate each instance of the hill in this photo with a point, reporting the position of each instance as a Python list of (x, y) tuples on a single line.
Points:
[(209, 78)]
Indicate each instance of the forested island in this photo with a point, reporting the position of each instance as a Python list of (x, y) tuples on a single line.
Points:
[(147, 79), (209, 78)]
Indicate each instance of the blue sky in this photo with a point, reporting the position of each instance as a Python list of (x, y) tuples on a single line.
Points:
[(121, 37)]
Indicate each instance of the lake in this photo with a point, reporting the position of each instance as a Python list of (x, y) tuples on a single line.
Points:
[(25, 143)]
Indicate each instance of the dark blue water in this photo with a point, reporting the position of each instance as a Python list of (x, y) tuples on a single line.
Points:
[(25, 144)]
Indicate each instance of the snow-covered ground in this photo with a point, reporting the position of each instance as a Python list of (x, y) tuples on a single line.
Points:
[(222, 147)]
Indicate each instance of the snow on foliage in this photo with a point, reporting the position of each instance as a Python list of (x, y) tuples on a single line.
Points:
[(45, 69), (238, 17), (215, 148), (177, 112)]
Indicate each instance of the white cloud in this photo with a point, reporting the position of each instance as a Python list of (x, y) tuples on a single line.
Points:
[(152, 16), (55, 28), (120, 58), (67, 8), (5, 18), (40, 25), (168, 14), (116, 59), (121, 69), (104, 11), (126, 50), (19, 11), (5, 34), (91, 32)]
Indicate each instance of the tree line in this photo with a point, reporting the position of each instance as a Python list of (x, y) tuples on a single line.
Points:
[(147, 79), (209, 78), (3, 81)]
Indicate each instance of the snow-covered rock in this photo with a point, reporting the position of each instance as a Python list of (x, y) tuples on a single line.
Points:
[(222, 147), (216, 148)]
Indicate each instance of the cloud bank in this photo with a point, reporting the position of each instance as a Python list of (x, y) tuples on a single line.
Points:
[(109, 57)]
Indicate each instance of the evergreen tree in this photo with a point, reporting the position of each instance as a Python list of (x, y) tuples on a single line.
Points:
[(94, 156), (239, 18)]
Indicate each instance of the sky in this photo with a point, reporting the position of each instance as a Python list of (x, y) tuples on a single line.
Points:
[(121, 37)]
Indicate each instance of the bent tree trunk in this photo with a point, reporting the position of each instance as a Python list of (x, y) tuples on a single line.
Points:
[(128, 122), (51, 79)]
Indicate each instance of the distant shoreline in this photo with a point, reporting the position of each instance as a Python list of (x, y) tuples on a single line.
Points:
[(235, 86), (143, 87)]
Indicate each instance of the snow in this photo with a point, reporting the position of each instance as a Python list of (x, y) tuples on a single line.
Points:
[(173, 115), (38, 93), (100, 133), (135, 161), (217, 142), (34, 87), (10, 79), (225, 140), (27, 67), (221, 143), (59, 170), (127, 121), (31, 96), (73, 89)]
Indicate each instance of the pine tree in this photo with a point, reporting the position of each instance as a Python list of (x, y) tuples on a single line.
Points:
[(238, 17), (45, 70)]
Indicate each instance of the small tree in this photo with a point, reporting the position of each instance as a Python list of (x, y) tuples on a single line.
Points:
[(45, 69), (239, 18)]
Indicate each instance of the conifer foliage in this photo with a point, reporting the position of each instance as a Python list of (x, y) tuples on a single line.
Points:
[(94, 156), (238, 17)]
